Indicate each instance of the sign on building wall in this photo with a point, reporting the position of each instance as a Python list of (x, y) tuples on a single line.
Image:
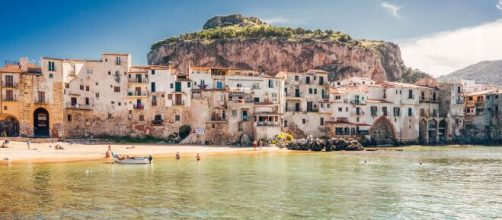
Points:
[(199, 131)]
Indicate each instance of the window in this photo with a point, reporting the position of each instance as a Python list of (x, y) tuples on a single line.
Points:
[(118, 61), (89, 71), (189, 84), (256, 86), (171, 85), (109, 116), (177, 118), (141, 117), (51, 66), (374, 111), (87, 102), (340, 109), (256, 99), (270, 83), (154, 100), (410, 112), (304, 121), (310, 91), (321, 80), (410, 94), (152, 87), (51, 75), (322, 121), (86, 88), (234, 113), (69, 118), (153, 72), (81, 87), (67, 85), (297, 78), (397, 111), (384, 111), (97, 94), (307, 80), (285, 123), (116, 89), (41, 97)]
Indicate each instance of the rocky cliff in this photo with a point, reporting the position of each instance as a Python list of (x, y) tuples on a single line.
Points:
[(242, 42)]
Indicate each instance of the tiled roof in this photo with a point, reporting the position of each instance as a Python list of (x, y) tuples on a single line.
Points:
[(10, 68)]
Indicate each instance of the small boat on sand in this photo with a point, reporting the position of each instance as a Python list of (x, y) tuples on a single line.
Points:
[(124, 159)]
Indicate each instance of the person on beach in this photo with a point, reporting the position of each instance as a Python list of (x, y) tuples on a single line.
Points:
[(254, 144), (178, 156), (107, 154), (198, 157), (28, 143)]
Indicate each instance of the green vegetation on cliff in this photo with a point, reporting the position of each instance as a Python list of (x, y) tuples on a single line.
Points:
[(252, 28), (413, 75)]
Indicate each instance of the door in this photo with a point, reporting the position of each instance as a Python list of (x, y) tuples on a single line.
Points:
[(177, 87), (41, 123), (138, 78), (297, 107), (178, 99)]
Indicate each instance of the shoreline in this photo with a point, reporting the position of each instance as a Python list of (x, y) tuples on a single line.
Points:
[(18, 152)]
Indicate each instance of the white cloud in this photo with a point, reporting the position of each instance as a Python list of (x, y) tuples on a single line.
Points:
[(275, 20), (445, 52), (499, 5), (393, 9)]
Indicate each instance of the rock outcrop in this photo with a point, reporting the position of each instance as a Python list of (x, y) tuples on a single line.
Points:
[(241, 42)]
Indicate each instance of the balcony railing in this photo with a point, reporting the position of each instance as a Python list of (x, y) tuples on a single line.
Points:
[(78, 106), (240, 89), (158, 122), (138, 106), (267, 124), (143, 93), (40, 101), (137, 80), (9, 85), (9, 98), (356, 102)]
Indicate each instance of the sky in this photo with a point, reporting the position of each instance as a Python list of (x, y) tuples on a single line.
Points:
[(437, 37)]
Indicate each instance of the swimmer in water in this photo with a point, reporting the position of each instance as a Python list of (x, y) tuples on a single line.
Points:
[(198, 157)]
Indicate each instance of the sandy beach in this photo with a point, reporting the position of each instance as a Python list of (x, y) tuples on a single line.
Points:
[(18, 152)]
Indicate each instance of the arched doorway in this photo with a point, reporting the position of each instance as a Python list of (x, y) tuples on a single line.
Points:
[(442, 131), (433, 131), (41, 123), (382, 132), (422, 132), (9, 127)]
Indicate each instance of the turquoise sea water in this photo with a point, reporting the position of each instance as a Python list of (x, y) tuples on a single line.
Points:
[(452, 182)]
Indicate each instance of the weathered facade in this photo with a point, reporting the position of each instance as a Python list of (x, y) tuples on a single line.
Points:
[(109, 96)]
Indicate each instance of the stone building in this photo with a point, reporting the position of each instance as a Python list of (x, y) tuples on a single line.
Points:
[(109, 96), (482, 121), (306, 96)]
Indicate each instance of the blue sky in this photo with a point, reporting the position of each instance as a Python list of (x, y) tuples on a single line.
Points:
[(84, 29)]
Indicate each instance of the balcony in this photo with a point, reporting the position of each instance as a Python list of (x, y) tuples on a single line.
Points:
[(356, 102), (240, 90), (356, 113), (138, 106), (78, 106), (137, 94), (137, 80), (267, 124), (9, 98), (245, 118), (157, 122), (39, 101), (9, 85)]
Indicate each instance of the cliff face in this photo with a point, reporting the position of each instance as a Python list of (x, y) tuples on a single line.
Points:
[(379, 61)]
